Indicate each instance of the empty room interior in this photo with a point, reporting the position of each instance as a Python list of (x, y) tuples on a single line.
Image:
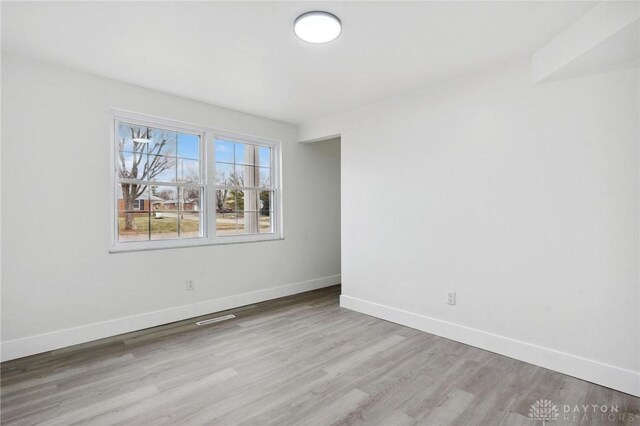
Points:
[(320, 213)]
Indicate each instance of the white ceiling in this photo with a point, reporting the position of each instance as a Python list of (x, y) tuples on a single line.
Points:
[(244, 56)]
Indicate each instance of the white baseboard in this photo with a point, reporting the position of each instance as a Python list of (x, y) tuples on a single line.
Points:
[(31, 345), (573, 365)]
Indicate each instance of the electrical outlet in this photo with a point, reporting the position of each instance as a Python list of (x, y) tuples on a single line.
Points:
[(452, 298), (190, 284)]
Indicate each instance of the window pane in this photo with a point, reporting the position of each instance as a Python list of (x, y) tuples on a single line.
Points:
[(264, 156), (190, 219), (131, 165), (133, 226), (224, 151), (133, 137), (190, 199), (235, 200), (164, 225), (164, 215), (226, 223), (130, 195), (247, 200), (224, 200), (163, 142), (249, 175), (190, 224), (164, 197), (240, 174), (161, 168), (124, 141), (263, 177), (188, 146), (232, 199), (224, 174), (247, 222), (245, 153), (266, 222), (240, 153), (188, 171), (266, 201)]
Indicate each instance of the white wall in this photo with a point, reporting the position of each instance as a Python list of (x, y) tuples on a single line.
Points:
[(523, 199), (59, 283)]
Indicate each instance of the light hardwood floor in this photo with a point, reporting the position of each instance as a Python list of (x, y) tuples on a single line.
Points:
[(300, 360)]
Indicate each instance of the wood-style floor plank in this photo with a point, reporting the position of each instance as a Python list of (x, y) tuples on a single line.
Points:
[(298, 360)]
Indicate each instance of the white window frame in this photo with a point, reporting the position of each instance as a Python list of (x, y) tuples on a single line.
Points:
[(207, 169)]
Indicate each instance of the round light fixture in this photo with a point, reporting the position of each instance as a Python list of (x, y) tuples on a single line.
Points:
[(317, 27)]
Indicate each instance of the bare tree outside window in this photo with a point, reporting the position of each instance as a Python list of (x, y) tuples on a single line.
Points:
[(149, 157), (166, 177), (234, 179)]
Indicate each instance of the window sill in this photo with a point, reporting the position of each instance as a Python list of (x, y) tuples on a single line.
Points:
[(135, 247)]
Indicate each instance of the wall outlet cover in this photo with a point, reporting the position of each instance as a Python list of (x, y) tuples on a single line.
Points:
[(190, 284)]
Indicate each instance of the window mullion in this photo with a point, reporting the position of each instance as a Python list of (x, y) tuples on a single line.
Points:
[(210, 188), (243, 188)]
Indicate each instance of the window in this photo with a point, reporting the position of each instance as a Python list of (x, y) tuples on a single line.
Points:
[(245, 193), (182, 185)]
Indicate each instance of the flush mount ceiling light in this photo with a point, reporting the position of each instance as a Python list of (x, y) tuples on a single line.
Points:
[(141, 140), (317, 27)]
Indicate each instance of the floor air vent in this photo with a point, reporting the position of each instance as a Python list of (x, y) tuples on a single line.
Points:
[(216, 319)]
